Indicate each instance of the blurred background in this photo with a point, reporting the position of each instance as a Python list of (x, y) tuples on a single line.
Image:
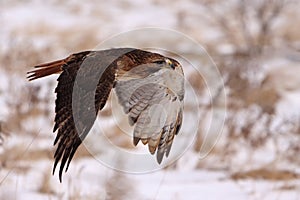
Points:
[(256, 46)]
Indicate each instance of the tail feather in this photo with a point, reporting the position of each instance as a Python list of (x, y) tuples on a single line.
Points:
[(46, 69)]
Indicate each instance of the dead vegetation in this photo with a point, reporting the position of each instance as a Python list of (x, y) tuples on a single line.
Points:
[(3, 133), (266, 174), (252, 100), (22, 153), (118, 187), (45, 186)]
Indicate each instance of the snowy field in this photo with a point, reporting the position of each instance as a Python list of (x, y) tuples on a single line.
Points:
[(256, 155)]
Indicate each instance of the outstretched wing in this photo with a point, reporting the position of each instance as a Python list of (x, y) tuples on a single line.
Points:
[(83, 88), (155, 110)]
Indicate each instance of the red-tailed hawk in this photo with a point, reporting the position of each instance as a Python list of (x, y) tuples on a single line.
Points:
[(149, 86)]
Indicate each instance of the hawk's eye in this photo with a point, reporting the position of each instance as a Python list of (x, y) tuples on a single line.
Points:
[(160, 62)]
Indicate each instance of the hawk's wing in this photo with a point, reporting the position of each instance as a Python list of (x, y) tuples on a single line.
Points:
[(83, 87), (155, 110)]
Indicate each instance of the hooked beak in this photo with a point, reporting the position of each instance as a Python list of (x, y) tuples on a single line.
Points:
[(170, 63)]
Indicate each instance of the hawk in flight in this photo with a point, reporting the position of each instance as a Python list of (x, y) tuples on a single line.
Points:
[(149, 86)]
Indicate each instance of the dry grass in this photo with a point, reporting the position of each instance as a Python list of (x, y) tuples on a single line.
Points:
[(45, 186), (266, 174), (118, 187), (235, 19), (290, 187), (254, 96), (82, 152), (15, 154), (75, 191), (247, 94)]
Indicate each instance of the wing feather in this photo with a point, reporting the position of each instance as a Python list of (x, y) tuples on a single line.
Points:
[(83, 87), (82, 90), (155, 111)]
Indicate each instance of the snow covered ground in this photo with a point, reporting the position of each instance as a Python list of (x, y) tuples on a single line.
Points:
[(91, 180), (53, 29)]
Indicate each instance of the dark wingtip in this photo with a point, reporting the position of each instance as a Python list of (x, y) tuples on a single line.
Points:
[(136, 140), (61, 168), (168, 150), (60, 171), (54, 166), (60, 175), (55, 127), (159, 156), (72, 153)]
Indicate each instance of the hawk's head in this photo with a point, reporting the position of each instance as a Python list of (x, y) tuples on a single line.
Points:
[(169, 63)]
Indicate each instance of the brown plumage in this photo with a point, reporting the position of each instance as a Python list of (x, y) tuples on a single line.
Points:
[(84, 84)]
